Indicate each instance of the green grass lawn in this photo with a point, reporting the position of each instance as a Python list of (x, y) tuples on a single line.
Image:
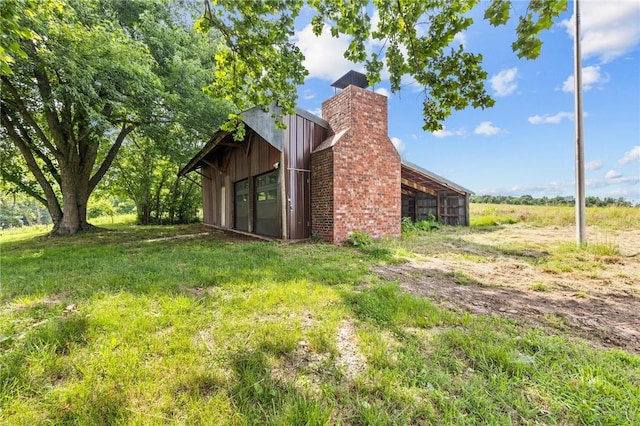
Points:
[(108, 328)]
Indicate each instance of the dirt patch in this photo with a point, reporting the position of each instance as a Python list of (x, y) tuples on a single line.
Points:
[(602, 307), (305, 368), (351, 361)]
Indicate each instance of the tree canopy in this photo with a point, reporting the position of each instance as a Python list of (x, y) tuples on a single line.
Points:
[(260, 63), (83, 78)]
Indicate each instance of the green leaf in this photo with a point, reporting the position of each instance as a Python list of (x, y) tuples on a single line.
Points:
[(498, 12)]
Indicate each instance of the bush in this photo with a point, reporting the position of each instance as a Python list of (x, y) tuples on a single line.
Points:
[(358, 239), (409, 227), (99, 208)]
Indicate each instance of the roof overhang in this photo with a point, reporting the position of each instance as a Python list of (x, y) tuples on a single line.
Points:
[(261, 121), (423, 180), (216, 140)]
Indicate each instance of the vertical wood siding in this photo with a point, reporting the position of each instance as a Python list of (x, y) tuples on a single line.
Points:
[(246, 159), (208, 196), (300, 139)]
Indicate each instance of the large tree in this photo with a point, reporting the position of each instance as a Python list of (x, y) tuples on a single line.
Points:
[(146, 169), (69, 102), (261, 64), (85, 76)]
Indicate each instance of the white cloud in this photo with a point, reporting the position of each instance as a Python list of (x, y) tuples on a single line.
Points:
[(550, 119), (593, 165), (612, 174), (443, 133), (397, 142), (316, 111), (553, 187), (591, 76), (375, 20), (504, 82), (620, 180), (308, 94), (487, 128), (382, 91), (460, 38), (609, 29), (324, 54), (614, 187), (630, 156)]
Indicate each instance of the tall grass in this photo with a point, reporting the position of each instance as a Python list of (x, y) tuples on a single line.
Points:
[(612, 217)]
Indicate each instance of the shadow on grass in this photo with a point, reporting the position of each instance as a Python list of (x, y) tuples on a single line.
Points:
[(264, 400), (52, 336), (83, 265)]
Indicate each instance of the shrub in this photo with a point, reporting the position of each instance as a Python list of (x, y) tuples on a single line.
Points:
[(430, 224), (358, 239), (100, 208)]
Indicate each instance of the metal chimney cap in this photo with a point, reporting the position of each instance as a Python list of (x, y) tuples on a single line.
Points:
[(351, 78)]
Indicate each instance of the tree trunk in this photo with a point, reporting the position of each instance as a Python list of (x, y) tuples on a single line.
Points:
[(75, 195), (173, 200)]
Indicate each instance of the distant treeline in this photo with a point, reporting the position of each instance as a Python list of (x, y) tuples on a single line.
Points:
[(528, 200)]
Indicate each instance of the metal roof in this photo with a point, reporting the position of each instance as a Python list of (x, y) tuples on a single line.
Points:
[(215, 140), (351, 78), (331, 140), (429, 179), (259, 120)]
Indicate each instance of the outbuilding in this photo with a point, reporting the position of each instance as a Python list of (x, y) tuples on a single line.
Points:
[(321, 177)]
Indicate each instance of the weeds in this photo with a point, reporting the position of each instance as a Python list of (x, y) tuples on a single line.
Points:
[(539, 286), (410, 227), (358, 239), (569, 257), (493, 220)]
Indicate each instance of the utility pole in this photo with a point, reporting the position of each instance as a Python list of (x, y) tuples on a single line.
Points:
[(581, 223)]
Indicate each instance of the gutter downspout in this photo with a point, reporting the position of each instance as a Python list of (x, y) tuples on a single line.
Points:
[(283, 193)]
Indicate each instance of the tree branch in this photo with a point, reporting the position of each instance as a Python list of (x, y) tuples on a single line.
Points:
[(106, 163), (24, 112), (66, 119), (50, 166), (52, 200), (44, 87), (25, 188)]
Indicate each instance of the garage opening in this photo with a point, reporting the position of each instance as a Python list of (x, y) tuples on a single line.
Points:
[(266, 204)]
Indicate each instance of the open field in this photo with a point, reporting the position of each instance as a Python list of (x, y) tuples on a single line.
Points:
[(619, 218), (132, 326)]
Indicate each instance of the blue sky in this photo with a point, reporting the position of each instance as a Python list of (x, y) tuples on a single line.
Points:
[(525, 144)]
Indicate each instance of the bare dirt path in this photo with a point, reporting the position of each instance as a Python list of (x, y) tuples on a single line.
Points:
[(596, 298)]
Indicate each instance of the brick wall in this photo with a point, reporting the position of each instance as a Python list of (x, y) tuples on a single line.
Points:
[(322, 195), (337, 110), (365, 168)]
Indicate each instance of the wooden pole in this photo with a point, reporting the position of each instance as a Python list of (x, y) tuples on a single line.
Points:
[(581, 228)]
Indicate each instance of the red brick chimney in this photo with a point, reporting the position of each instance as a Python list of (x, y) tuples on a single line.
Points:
[(355, 174)]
